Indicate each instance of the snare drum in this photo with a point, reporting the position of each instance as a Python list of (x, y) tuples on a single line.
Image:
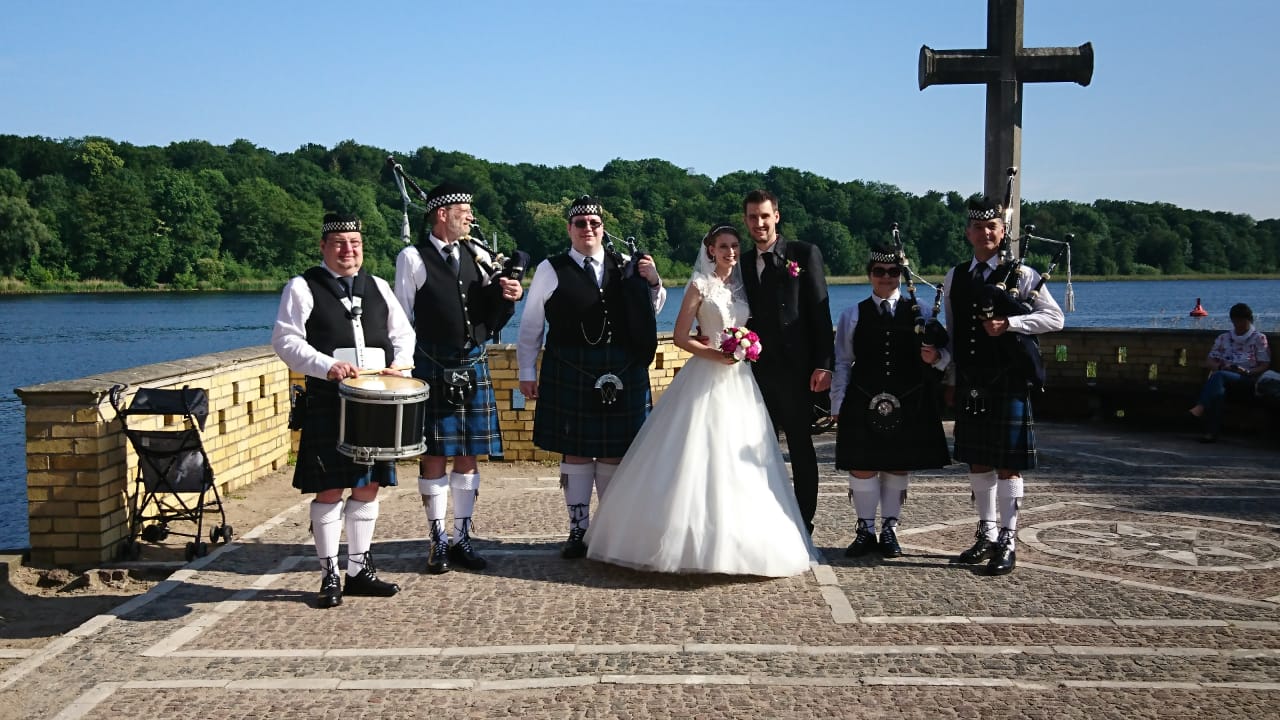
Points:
[(380, 417)]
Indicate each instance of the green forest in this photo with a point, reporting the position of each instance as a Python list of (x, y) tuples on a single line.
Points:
[(193, 215)]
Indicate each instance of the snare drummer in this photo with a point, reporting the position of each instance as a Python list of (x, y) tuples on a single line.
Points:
[(456, 307), (593, 396), (334, 321)]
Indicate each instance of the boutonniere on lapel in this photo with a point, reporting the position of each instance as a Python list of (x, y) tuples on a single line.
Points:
[(793, 268)]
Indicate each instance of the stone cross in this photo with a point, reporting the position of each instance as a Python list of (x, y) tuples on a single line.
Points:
[(1003, 67)]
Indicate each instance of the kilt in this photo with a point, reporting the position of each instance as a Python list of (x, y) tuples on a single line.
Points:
[(1004, 435), (571, 419), (320, 466), (919, 443), (452, 430)]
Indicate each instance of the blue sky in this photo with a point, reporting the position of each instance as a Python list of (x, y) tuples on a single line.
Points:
[(1183, 106)]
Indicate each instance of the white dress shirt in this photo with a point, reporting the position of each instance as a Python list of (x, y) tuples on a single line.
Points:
[(289, 335), (533, 321)]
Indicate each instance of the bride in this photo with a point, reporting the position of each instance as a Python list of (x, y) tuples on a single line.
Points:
[(704, 487)]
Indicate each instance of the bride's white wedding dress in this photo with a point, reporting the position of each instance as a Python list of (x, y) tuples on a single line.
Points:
[(704, 487)]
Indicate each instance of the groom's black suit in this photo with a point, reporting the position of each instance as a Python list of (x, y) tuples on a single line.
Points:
[(792, 316)]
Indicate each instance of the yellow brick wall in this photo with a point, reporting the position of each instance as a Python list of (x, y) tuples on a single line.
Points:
[(81, 470)]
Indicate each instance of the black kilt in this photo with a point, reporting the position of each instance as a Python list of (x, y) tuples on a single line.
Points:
[(996, 429), (570, 417), (320, 466), (919, 443), (452, 430)]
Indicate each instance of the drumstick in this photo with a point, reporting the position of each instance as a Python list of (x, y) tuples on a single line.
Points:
[(393, 367)]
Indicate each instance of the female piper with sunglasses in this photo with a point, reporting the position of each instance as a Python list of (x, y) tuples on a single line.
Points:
[(886, 403)]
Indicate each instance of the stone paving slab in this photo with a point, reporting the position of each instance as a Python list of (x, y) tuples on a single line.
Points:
[(1147, 586), (694, 697)]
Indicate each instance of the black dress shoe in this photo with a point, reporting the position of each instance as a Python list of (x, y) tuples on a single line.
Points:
[(574, 547), (1003, 558), (982, 547), (330, 594), (438, 558), (864, 541), (889, 546), (368, 584), (461, 554), (1003, 561)]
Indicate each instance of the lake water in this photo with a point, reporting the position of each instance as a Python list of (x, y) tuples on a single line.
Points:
[(62, 337)]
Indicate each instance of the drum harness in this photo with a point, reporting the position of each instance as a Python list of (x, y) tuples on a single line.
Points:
[(298, 398)]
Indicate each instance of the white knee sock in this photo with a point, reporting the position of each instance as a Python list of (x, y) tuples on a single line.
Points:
[(435, 499), (865, 493), (576, 482), (604, 473), (361, 517), (326, 528), (465, 487), (1009, 493), (984, 500), (893, 489)]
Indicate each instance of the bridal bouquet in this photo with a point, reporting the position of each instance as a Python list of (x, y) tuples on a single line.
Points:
[(740, 344)]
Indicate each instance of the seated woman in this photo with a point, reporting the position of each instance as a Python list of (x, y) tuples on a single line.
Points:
[(1238, 357)]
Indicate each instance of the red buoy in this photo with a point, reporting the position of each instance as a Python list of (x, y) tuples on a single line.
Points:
[(1199, 310)]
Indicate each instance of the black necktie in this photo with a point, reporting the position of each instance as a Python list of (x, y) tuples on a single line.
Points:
[(884, 309), (768, 257), (980, 273), (345, 283), (589, 264), (450, 257)]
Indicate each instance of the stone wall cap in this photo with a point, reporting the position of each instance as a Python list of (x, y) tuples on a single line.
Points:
[(155, 374)]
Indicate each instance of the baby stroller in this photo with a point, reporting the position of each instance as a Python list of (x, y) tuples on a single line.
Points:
[(172, 467)]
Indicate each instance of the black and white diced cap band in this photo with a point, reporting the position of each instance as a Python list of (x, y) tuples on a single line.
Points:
[(880, 256), (585, 206), (448, 199), (986, 213), (334, 226)]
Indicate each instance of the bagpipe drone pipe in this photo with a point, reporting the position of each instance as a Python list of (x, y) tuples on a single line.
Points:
[(642, 322), (931, 330)]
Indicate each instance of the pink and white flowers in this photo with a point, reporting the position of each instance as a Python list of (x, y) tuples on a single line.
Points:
[(793, 268), (740, 344)]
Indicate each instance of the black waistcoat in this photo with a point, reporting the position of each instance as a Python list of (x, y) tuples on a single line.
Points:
[(886, 351), (579, 313), (329, 326), (976, 352), (448, 308)]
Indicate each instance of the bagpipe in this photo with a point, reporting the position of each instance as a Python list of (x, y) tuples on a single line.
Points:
[(491, 262), (1002, 295), (642, 322), (931, 331)]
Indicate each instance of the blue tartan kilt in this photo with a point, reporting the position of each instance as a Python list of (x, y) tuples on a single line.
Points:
[(571, 418), (320, 466), (998, 430), (470, 428)]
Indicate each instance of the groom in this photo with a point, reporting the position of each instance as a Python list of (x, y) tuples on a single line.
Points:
[(790, 312)]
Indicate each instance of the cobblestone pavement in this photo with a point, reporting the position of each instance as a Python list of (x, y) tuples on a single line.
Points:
[(1148, 585)]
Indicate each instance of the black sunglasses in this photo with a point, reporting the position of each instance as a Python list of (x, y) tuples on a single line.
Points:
[(583, 224), (881, 272)]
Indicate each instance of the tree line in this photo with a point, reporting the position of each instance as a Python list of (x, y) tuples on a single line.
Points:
[(197, 215)]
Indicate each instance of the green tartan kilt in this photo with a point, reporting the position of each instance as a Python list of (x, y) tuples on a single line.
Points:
[(572, 419), (996, 429)]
